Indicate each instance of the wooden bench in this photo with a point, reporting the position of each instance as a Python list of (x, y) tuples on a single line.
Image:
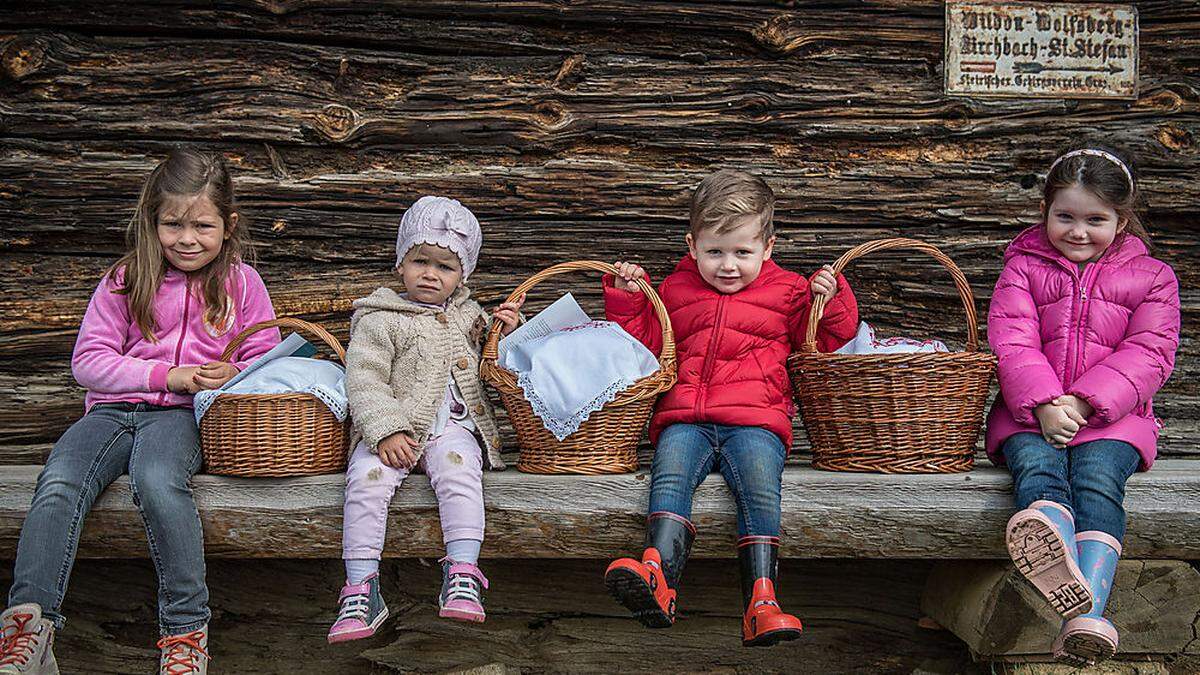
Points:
[(825, 515)]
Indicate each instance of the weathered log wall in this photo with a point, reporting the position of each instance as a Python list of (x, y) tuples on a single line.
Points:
[(573, 131)]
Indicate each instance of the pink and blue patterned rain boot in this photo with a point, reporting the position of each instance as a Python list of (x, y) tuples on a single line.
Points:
[(462, 592), (1041, 541), (362, 611), (1089, 639)]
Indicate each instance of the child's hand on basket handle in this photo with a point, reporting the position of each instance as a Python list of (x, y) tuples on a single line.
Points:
[(629, 273), (824, 284), (398, 451), (214, 374), (1059, 422), (509, 314), (182, 379)]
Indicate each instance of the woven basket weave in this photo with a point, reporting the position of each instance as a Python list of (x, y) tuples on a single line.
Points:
[(893, 413), (256, 435), (607, 442)]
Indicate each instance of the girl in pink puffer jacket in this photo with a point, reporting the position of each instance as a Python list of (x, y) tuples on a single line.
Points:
[(153, 335), (1085, 324)]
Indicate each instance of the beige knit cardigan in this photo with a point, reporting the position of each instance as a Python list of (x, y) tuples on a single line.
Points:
[(400, 361)]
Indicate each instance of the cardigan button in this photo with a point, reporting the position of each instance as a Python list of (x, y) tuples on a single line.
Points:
[(462, 363), (442, 318), (478, 410)]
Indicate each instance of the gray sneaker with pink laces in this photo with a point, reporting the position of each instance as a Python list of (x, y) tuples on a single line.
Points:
[(185, 654), (462, 592), (361, 613)]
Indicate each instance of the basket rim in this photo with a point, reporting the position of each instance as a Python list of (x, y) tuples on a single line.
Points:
[(966, 296), (505, 380)]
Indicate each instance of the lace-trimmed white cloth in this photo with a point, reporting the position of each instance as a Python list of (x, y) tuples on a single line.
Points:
[(865, 342), (287, 374), (571, 373)]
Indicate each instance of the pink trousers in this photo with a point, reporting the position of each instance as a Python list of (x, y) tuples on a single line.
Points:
[(454, 463)]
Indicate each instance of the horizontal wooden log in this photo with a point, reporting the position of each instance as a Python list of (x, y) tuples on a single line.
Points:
[(824, 515)]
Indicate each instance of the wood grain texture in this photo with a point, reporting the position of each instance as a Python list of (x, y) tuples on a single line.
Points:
[(989, 605), (572, 130), (825, 515), (271, 616)]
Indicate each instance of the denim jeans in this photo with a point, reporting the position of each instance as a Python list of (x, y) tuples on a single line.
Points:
[(1089, 479), (160, 449), (750, 458)]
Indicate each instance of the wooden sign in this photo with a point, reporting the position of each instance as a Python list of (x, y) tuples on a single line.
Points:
[(1041, 49)]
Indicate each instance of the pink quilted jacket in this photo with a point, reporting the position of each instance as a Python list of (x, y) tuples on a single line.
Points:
[(1107, 334)]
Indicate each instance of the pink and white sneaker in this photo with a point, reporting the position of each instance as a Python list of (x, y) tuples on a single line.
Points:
[(362, 611), (462, 592)]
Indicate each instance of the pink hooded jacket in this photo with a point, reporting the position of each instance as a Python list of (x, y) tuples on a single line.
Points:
[(1107, 334), (116, 364)]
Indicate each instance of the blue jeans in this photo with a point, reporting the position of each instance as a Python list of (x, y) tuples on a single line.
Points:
[(750, 458), (1088, 479), (160, 448)]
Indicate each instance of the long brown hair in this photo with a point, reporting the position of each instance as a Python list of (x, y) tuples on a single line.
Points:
[(185, 172), (1102, 177)]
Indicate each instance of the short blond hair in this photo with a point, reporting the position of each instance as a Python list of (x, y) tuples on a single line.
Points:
[(725, 197)]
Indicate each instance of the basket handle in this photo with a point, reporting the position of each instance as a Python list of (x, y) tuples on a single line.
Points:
[(287, 322), (665, 358), (960, 281)]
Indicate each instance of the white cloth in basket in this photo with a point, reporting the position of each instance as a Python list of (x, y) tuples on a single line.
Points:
[(286, 374), (571, 373), (865, 342)]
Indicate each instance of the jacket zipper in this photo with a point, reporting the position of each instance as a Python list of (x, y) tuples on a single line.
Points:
[(710, 358), (183, 329), (1080, 324)]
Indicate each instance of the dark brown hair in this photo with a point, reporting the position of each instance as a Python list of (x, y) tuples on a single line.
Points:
[(1102, 177), (725, 196), (185, 172)]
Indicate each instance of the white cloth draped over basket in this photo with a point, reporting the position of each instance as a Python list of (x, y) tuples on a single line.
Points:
[(282, 375), (571, 373)]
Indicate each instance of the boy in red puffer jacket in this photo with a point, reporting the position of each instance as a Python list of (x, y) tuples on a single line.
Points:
[(736, 317)]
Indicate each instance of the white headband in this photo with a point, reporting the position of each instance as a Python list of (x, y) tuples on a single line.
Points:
[(1095, 153)]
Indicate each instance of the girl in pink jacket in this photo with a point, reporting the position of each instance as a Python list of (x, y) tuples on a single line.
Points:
[(1085, 324), (152, 337)]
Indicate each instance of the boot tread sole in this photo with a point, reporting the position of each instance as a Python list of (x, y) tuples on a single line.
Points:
[(635, 594), (771, 638), (1085, 648), (1037, 551)]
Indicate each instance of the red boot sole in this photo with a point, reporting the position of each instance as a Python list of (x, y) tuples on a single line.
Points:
[(772, 638), (635, 594)]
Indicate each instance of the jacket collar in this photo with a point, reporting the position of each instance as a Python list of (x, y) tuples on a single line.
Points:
[(1034, 241), (688, 266)]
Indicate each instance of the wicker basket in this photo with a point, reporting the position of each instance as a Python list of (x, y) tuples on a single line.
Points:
[(893, 413), (257, 435), (607, 442)]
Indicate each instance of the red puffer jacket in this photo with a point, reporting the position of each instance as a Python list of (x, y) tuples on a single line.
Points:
[(732, 347)]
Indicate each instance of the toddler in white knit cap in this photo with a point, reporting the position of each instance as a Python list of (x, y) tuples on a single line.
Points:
[(412, 381)]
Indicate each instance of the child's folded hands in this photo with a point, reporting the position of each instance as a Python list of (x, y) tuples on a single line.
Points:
[(193, 379), (398, 451), (1059, 421)]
